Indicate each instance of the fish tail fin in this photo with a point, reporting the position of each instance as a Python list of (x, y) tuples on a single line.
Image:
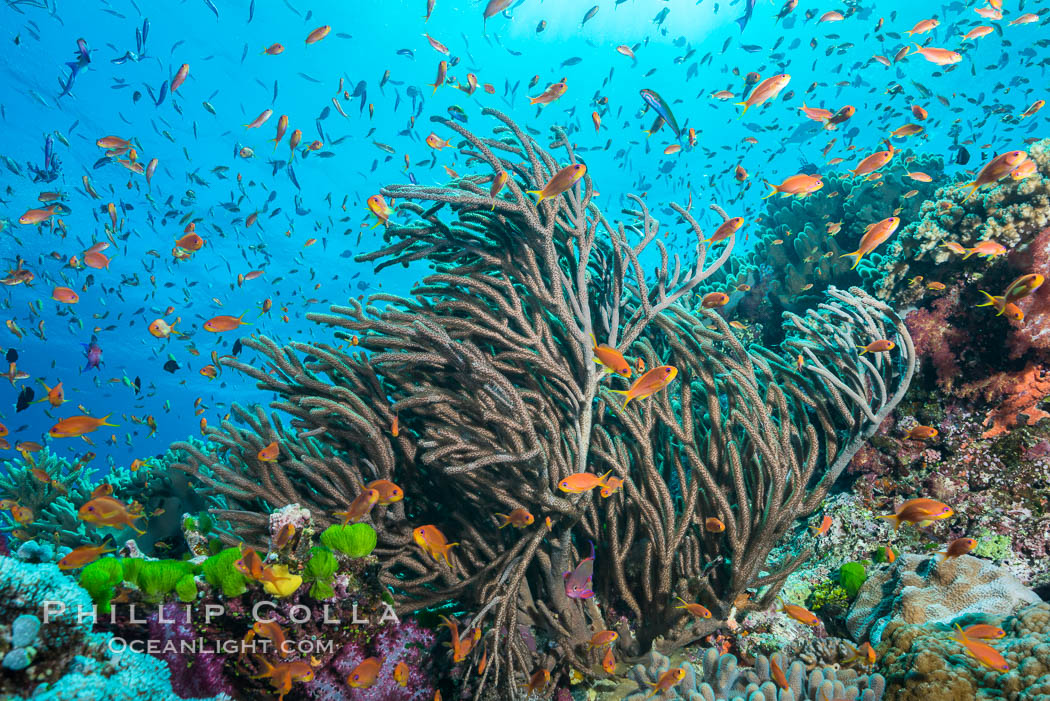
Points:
[(601, 480), (856, 262), (105, 422), (893, 517), (993, 301), (536, 192), (973, 189), (131, 525), (746, 106), (772, 192), (506, 519), (863, 351)]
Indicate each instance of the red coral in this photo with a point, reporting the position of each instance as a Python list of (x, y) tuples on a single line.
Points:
[(1016, 394), (935, 337)]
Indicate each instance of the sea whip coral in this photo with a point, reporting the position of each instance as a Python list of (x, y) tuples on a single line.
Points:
[(488, 367)]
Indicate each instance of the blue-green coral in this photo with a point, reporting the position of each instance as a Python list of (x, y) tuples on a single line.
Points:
[(69, 662)]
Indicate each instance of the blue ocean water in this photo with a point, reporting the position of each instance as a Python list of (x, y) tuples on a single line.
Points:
[(686, 51)]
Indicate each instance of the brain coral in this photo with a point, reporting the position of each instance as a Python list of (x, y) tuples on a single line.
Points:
[(919, 589), (921, 662)]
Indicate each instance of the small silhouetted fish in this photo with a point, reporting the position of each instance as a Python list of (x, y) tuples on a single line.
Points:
[(571, 61), (12, 356), (962, 156), (236, 347), (25, 398), (138, 384), (171, 366)]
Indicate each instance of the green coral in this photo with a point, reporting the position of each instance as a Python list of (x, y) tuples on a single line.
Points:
[(186, 588), (220, 572), (355, 540), (155, 578), (993, 546), (320, 569), (829, 598), (100, 579), (852, 576)]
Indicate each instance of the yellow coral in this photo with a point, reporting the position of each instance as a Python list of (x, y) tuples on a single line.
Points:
[(286, 583)]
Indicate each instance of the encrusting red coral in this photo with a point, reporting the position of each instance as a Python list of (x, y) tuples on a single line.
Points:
[(1017, 394)]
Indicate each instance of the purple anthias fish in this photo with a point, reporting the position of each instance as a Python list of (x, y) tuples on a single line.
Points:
[(93, 353), (578, 582)]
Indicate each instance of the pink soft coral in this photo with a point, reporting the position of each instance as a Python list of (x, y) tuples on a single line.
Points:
[(936, 338)]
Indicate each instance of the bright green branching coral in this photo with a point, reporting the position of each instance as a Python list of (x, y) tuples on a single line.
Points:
[(355, 539), (100, 579), (220, 572), (320, 570)]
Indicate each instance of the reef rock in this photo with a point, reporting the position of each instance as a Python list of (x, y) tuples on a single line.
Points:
[(920, 589), (923, 663)]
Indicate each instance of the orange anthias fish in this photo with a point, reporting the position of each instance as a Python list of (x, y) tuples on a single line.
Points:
[(220, 323), (875, 161), (109, 513), (865, 654), (611, 360), (1016, 290), (283, 674), (433, 542), (985, 249), (582, 482), (538, 681), (880, 346), (611, 486), (649, 384), (714, 525), (919, 511), (270, 452), (921, 433), (876, 234), (562, 181), (252, 567), (318, 34), (602, 638), (696, 610), (766, 90), (378, 206), (942, 57), (667, 681), (984, 631), (365, 674), (159, 328), (389, 492), (800, 614), (552, 93), (958, 547), (822, 528), (997, 168), (56, 396), (360, 507), (714, 299), (982, 652), (726, 229), (519, 518), (77, 426), (83, 556), (401, 673), (801, 185)]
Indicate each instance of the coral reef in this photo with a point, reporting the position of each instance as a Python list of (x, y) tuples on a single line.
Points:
[(488, 370), (917, 589), (923, 663), (1010, 213), (48, 653), (722, 678)]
